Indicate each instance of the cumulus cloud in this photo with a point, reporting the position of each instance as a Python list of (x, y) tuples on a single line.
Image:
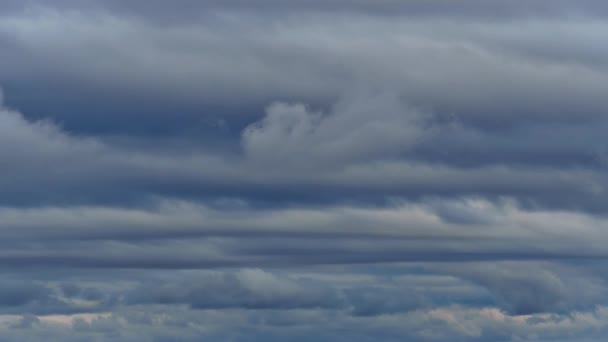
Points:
[(361, 127)]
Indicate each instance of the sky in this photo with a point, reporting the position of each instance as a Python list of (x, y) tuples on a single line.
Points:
[(336, 170)]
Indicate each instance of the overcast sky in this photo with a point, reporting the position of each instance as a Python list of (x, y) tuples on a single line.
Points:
[(336, 170)]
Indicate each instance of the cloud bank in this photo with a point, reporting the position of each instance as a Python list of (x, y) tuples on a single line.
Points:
[(328, 170)]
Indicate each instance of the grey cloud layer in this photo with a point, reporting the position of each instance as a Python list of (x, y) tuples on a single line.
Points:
[(189, 9), (358, 148), (303, 170), (539, 69)]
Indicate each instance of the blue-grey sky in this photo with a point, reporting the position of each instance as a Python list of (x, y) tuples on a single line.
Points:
[(337, 170)]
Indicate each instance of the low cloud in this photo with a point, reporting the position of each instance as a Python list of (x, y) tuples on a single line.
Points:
[(305, 170), (361, 127)]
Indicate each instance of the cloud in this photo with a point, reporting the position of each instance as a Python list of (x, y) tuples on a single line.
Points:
[(248, 289), (328, 170), (181, 235), (529, 288), (188, 10), (361, 127), (490, 72), (18, 294), (321, 160), (304, 304), (483, 324)]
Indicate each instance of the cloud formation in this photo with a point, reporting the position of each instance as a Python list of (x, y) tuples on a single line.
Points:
[(361, 127), (336, 170)]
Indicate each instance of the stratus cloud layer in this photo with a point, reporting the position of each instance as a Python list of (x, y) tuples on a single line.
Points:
[(336, 170), (291, 154)]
